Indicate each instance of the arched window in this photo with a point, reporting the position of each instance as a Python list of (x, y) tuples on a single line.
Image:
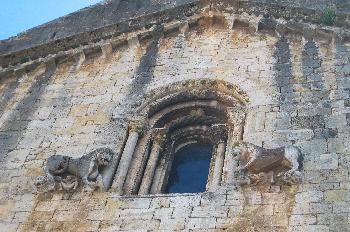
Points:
[(188, 124), (190, 169)]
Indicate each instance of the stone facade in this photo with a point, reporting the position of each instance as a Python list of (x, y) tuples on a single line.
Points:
[(293, 78)]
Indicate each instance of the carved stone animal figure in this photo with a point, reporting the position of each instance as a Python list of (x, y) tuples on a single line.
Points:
[(258, 159), (65, 171)]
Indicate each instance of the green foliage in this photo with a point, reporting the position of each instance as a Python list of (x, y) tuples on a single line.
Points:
[(148, 25), (262, 37), (24, 60), (328, 17), (236, 144)]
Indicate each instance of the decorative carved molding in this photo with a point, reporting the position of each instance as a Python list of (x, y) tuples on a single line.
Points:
[(159, 135), (63, 173), (137, 123), (257, 165)]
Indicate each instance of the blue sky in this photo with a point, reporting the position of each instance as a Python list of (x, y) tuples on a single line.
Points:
[(19, 15)]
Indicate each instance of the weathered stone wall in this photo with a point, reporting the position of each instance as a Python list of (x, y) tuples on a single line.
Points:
[(299, 92)]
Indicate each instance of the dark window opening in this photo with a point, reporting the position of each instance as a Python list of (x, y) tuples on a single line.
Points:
[(190, 168)]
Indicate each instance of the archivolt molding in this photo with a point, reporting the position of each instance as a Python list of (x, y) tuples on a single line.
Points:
[(192, 90)]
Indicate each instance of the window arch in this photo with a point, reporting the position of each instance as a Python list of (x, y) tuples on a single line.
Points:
[(202, 111)]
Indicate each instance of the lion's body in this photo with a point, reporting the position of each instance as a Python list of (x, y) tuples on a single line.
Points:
[(87, 168), (261, 161)]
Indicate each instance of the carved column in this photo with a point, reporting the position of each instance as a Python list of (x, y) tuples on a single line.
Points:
[(162, 170), (158, 137), (236, 118), (136, 126), (219, 135)]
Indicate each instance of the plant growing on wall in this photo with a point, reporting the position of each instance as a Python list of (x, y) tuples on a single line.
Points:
[(328, 17)]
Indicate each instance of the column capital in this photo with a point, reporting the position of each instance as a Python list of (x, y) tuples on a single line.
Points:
[(159, 135), (236, 115), (218, 132), (137, 123)]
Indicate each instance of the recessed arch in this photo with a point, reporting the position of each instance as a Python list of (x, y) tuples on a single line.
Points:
[(202, 111)]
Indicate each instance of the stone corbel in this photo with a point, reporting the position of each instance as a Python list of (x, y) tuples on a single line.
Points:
[(64, 173), (258, 165)]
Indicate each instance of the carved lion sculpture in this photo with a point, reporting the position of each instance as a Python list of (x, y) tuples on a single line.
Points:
[(64, 172), (261, 160)]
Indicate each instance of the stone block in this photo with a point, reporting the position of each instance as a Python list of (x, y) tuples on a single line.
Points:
[(160, 202), (326, 161), (210, 199), (96, 215), (337, 145), (309, 228), (181, 212), (30, 141), (140, 224), (136, 213), (209, 212), (201, 223), (69, 216), (67, 205), (174, 224), (254, 198), (311, 122), (302, 134), (163, 213), (341, 207), (9, 227), (21, 216), (235, 211), (302, 220), (40, 124), (332, 218), (63, 123), (284, 209), (185, 201), (23, 202), (259, 210), (17, 155), (279, 220), (43, 216), (313, 147), (47, 205), (335, 121), (309, 196), (337, 195), (273, 198), (320, 208), (132, 203)]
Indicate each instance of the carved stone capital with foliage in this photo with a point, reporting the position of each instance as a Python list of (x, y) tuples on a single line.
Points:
[(137, 123), (236, 115)]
